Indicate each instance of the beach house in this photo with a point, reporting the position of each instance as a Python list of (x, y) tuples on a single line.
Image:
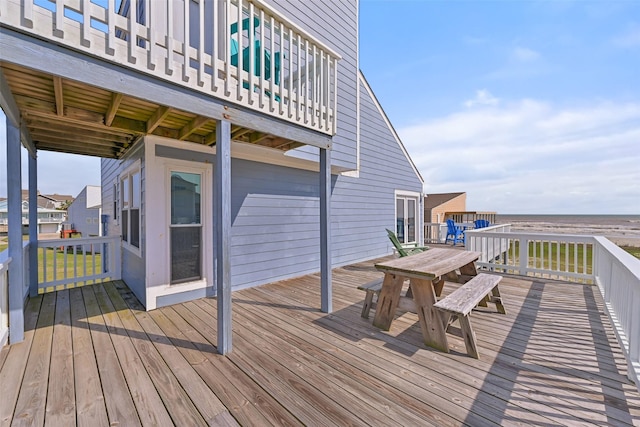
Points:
[(240, 142)]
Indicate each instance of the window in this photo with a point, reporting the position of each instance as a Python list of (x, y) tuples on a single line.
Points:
[(407, 218), (186, 227), (130, 202)]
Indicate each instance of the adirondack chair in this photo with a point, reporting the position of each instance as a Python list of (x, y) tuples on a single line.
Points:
[(455, 233), (405, 250), (481, 223), (246, 52)]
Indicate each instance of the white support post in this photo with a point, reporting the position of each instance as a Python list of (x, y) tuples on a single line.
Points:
[(325, 231), (16, 268), (222, 226), (33, 226)]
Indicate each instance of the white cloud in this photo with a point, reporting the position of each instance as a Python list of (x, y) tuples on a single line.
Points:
[(483, 97), (533, 157), (630, 38), (523, 54)]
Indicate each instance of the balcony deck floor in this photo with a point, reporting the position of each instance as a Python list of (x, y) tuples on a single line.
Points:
[(91, 356)]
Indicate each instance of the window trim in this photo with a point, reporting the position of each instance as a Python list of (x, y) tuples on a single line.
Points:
[(405, 195), (127, 175)]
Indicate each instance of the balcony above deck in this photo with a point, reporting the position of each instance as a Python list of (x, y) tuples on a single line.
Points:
[(139, 76)]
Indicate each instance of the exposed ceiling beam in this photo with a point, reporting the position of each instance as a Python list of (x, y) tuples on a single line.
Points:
[(116, 98), (36, 126), (59, 95), (156, 118), (210, 139), (120, 125), (39, 135), (10, 107), (192, 126)]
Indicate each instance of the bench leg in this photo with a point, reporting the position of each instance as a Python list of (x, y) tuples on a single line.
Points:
[(388, 301), (368, 302), (497, 299), (469, 337)]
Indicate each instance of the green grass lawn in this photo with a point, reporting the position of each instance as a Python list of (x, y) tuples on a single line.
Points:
[(55, 263)]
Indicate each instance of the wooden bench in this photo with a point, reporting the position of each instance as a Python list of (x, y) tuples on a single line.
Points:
[(372, 288), (459, 303)]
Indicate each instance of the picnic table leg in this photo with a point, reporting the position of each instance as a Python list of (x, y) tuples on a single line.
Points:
[(431, 322), (388, 301)]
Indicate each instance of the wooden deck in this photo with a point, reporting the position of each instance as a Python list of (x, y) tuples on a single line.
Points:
[(92, 357)]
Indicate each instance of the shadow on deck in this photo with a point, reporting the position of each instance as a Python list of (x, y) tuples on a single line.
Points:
[(93, 356)]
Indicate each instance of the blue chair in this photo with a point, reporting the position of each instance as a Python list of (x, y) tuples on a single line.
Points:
[(258, 60), (481, 223), (455, 233)]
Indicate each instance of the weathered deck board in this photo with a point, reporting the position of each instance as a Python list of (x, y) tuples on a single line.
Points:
[(92, 356)]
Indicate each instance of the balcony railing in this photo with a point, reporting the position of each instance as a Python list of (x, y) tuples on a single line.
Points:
[(65, 263), (242, 51), (588, 259), (4, 297)]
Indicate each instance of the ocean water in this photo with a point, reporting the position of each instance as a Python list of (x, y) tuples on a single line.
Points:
[(623, 226)]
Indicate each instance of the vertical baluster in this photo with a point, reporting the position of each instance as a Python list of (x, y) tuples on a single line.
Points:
[(584, 258), (314, 93), (251, 38), (323, 77), (290, 85), (133, 33), (111, 30), (86, 22), (44, 265), (282, 58), (272, 65), (75, 264), (240, 50), (168, 64), (305, 83), (327, 93), (298, 70), (214, 46), (186, 42), (575, 257), (84, 267), (262, 78), (201, 43), (152, 31), (334, 119), (59, 19), (227, 45), (28, 11), (55, 264)]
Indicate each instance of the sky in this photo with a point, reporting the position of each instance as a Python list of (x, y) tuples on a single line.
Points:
[(530, 107), (527, 106)]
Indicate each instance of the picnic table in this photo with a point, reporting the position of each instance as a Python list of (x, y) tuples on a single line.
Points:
[(427, 272)]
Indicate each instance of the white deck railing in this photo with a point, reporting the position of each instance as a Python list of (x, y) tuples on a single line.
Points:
[(4, 297), (209, 46), (589, 259), (67, 263), (617, 274), (552, 256)]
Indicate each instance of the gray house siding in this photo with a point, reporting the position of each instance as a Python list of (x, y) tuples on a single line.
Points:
[(275, 209), (337, 25), (133, 265)]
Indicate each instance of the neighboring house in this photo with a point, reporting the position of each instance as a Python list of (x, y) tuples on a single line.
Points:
[(253, 152), (50, 201), (436, 206), (49, 220), (84, 213)]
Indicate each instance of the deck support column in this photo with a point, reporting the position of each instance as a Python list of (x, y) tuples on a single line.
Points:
[(325, 231), (14, 221), (33, 226), (222, 227)]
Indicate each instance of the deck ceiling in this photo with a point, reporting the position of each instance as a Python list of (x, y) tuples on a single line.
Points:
[(72, 117)]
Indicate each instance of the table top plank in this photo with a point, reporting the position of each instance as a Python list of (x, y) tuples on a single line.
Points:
[(429, 264)]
